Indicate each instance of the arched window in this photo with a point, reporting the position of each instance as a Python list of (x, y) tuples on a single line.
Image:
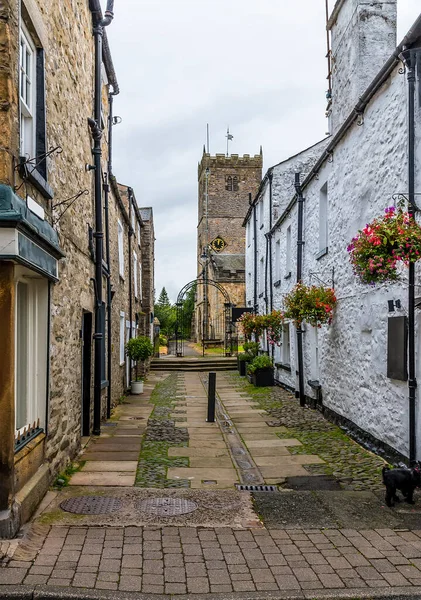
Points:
[(229, 183), (235, 183)]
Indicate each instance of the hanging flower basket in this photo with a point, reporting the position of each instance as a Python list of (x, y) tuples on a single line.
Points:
[(378, 248), (314, 304), (251, 324), (273, 325)]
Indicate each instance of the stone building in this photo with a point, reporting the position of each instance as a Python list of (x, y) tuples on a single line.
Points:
[(58, 215), (347, 180), (225, 186)]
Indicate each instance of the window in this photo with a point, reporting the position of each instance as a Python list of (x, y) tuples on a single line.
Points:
[(248, 234), (278, 260), (323, 228), (138, 234), (121, 249), (288, 253), (262, 275), (133, 221), (27, 93), (140, 281), (31, 332), (32, 125), (286, 345), (231, 183), (261, 212), (136, 291), (122, 333)]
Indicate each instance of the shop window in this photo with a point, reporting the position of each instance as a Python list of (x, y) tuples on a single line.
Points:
[(31, 355)]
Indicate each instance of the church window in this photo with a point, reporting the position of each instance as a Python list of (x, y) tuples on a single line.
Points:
[(231, 182)]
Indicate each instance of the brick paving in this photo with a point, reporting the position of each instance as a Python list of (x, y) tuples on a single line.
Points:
[(180, 560)]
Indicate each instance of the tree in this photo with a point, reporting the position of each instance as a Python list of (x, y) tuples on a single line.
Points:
[(166, 313), (188, 309)]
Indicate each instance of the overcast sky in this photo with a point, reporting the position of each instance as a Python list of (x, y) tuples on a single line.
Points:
[(256, 65)]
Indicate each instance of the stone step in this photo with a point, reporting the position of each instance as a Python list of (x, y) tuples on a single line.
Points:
[(189, 364)]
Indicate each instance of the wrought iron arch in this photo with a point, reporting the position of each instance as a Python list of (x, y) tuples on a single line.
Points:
[(179, 325)]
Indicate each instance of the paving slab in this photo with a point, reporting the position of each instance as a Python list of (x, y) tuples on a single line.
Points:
[(298, 459), (202, 442), (202, 474), (211, 462), (110, 465), (273, 443), (106, 456), (109, 479), (209, 451), (284, 470), (252, 437)]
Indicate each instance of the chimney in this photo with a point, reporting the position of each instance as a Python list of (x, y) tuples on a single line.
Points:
[(363, 37)]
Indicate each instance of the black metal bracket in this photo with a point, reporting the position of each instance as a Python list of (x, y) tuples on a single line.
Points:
[(68, 203), (316, 276), (399, 197), (37, 160)]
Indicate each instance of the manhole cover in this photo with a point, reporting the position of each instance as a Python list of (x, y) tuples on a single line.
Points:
[(167, 507), (91, 505)]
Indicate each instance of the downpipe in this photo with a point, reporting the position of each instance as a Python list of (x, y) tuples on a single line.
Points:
[(96, 130), (300, 244), (409, 58)]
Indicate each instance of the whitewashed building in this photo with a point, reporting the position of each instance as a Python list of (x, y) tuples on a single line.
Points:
[(347, 180)]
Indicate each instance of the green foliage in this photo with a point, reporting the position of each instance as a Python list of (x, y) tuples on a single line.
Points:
[(188, 309), (313, 304), (63, 478), (260, 362), (251, 348), (163, 341), (244, 357), (165, 313), (139, 348)]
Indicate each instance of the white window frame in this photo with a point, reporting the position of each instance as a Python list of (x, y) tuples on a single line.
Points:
[(288, 252), (120, 234), (36, 352), (133, 221), (286, 345), (323, 218), (138, 234), (27, 93), (122, 338), (262, 212), (278, 260), (135, 262)]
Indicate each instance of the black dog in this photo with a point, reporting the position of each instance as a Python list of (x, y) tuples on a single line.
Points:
[(405, 480)]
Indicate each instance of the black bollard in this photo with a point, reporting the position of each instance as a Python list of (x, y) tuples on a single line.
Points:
[(211, 398)]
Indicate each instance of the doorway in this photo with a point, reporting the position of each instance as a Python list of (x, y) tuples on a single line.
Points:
[(86, 372)]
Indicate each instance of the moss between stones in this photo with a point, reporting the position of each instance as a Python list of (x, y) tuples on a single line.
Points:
[(354, 467), (153, 459)]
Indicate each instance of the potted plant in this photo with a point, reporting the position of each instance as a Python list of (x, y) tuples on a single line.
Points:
[(261, 371), (314, 304), (138, 349), (242, 360), (378, 248)]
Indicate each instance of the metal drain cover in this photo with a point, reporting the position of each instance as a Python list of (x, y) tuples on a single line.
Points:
[(91, 505), (257, 488), (167, 507)]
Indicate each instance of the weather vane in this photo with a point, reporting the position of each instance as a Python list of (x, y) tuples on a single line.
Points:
[(229, 137)]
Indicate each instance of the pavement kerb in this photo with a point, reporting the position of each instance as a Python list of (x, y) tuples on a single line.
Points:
[(40, 592)]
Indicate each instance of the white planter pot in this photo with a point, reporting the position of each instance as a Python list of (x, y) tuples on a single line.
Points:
[(137, 387)]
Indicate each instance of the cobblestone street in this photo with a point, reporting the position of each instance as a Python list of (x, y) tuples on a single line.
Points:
[(310, 542)]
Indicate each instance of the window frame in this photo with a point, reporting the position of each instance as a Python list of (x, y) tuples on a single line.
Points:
[(323, 219), (122, 337), (120, 242), (135, 264), (27, 110)]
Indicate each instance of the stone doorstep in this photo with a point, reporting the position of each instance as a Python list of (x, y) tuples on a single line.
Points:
[(297, 459), (110, 466), (112, 479)]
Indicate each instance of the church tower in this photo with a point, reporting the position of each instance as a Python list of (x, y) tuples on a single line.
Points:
[(225, 183)]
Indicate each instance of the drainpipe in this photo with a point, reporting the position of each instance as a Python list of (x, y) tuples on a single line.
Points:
[(409, 58), (255, 253), (266, 272), (300, 244), (106, 188), (270, 244), (95, 126), (130, 193)]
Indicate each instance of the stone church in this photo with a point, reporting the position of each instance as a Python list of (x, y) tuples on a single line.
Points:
[(225, 185)]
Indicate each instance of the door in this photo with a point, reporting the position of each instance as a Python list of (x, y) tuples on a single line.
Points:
[(86, 373)]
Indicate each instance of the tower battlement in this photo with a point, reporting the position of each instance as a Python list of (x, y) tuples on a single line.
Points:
[(234, 161)]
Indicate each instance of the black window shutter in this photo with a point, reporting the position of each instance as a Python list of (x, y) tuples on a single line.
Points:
[(397, 348), (40, 116)]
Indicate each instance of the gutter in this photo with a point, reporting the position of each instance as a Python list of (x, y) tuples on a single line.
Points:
[(357, 111)]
